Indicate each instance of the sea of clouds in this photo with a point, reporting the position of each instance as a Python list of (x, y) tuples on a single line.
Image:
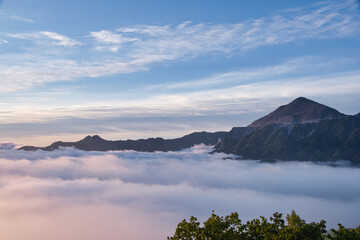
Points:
[(72, 194)]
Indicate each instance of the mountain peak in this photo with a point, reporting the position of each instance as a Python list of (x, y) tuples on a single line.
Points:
[(303, 101), (300, 110), (92, 138)]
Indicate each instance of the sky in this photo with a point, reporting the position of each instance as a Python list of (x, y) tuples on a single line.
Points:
[(72, 194), (138, 69)]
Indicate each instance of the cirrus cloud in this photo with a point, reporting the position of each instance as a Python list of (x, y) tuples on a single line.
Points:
[(151, 44), (47, 38)]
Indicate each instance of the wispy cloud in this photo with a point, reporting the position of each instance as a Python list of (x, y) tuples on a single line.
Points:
[(14, 17), (18, 18), (154, 191), (110, 40), (208, 102), (149, 44), (60, 39), (109, 37), (327, 20), (47, 38), (38, 70), (292, 67), (2, 41), (171, 114)]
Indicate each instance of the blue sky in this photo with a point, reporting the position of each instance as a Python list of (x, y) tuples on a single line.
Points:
[(135, 69)]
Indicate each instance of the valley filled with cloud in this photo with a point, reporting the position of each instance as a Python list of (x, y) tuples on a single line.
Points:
[(72, 194)]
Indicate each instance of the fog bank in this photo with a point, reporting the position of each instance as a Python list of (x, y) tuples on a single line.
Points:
[(131, 195)]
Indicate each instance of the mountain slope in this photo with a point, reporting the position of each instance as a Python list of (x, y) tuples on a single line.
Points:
[(231, 139), (301, 110), (301, 130), (96, 143), (327, 140)]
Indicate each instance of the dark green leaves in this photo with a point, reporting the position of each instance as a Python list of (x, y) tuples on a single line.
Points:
[(230, 228)]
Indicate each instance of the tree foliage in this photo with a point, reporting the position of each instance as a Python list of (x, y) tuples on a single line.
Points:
[(231, 228), (344, 233)]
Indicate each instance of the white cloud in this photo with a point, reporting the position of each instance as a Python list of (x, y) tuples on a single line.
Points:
[(61, 39), (46, 38), (280, 71), (154, 191), (111, 41), (105, 36), (151, 30), (149, 44), (218, 94), (2, 41), (18, 18), (4, 15), (38, 70), (325, 21)]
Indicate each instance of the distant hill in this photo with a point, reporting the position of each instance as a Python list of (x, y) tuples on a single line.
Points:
[(301, 110), (96, 143), (301, 130)]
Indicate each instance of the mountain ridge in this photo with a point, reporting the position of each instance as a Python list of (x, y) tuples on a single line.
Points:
[(96, 143), (302, 130)]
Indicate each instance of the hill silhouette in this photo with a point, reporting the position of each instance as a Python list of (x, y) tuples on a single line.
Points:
[(96, 143)]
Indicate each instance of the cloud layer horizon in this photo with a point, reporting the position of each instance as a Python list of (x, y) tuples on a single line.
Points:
[(132, 195)]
